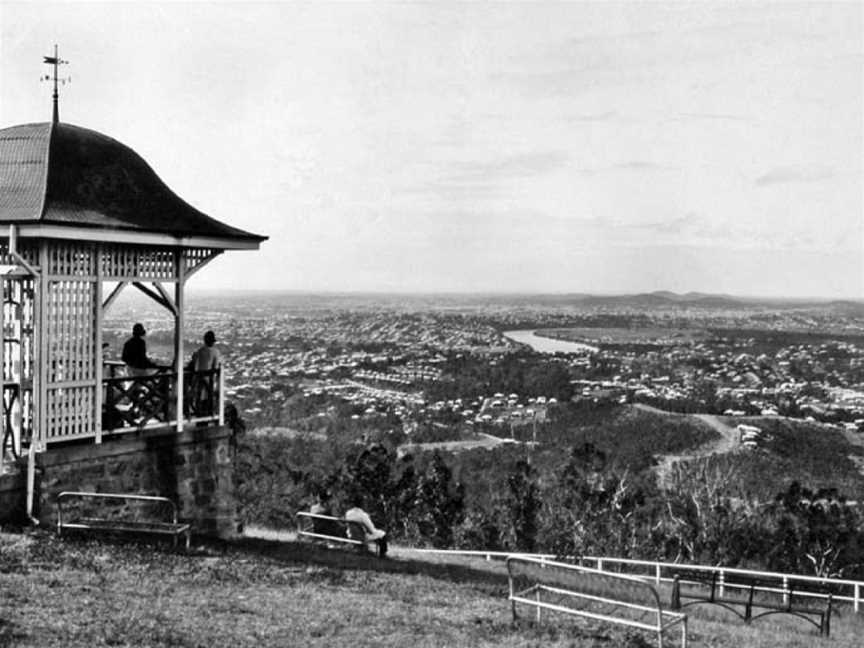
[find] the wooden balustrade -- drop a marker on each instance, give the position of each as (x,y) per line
(135,402)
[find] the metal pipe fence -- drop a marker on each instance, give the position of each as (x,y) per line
(849,591)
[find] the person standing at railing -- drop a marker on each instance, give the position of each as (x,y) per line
(206,359)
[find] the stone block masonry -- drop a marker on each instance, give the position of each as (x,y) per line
(13,490)
(194,468)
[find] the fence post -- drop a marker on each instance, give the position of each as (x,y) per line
(537,594)
(785,590)
(599,564)
(722,583)
(657,573)
(857,602)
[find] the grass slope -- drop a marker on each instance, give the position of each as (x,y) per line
(266,593)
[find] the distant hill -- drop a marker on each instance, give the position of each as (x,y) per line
(668,299)
(658,299)
(664,298)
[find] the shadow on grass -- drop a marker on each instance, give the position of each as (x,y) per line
(308,553)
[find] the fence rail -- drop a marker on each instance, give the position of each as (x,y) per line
(663,572)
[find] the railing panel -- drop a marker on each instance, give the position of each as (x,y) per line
(135,402)
(201,398)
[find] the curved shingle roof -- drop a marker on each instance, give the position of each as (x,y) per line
(64,175)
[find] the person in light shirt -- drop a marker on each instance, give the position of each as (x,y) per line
(357,514)
(206,358)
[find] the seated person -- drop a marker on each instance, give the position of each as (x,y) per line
(357,514)
(135,353)
(321,505)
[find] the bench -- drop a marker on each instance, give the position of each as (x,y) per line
(75,512)
(333,529)
(740,594)
(590,593)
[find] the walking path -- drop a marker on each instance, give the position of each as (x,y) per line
(727,442)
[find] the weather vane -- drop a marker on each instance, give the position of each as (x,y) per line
(55,61)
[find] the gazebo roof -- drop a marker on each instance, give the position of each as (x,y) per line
(64,181)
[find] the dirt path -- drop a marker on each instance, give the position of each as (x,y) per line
(727,442)
(486,441)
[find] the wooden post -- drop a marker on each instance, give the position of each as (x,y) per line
(179,321)
(3,430)
(97,320)
(221,395)
(40,359)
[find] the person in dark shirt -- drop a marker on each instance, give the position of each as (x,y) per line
(135,353)
(321,505)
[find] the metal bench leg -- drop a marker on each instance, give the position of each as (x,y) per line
(675,604)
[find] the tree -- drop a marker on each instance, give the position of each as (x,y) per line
(702,522)
(439,504)
(523,505)
(814,532)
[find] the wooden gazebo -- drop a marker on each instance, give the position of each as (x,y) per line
(81,213)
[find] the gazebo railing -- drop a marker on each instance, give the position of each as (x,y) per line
(149,401)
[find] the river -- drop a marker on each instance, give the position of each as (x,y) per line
(548,345)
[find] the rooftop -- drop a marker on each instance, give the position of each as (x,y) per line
(64,177)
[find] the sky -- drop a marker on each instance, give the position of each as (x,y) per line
(562,147)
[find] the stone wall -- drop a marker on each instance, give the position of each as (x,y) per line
(194,468)
(13,490)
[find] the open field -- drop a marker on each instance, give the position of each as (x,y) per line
(270,593)
(754,340)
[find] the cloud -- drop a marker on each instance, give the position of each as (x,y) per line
(714,116)
(486,179)
(512,167)
(599,117)
(640,165)
(793,174)
(634,166)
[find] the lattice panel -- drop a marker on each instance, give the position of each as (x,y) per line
(70,412)
(29,252)
(18,341)
(68,259)
(71,336)
(195,257)
(137,262)
(18,310)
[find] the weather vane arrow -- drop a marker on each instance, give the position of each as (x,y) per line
(56,61)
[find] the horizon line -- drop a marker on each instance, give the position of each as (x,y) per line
(499,293)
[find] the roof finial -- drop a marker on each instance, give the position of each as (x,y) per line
(55,61)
